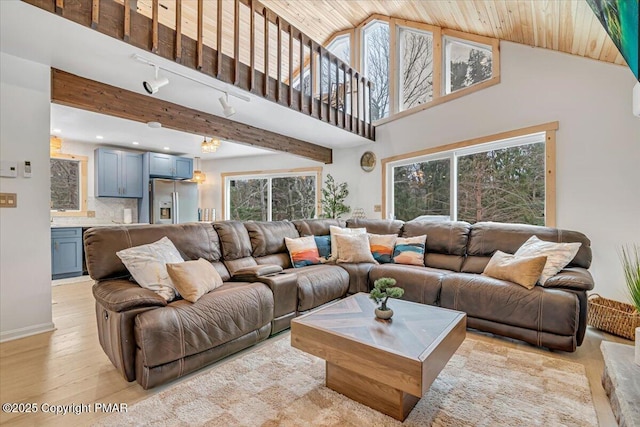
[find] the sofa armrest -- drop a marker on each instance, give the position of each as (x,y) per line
(121,295)
(248,274)
(575,278)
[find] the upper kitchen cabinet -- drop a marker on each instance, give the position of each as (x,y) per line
(168,166)
(118,173)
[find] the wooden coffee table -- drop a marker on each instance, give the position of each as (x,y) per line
(386,365)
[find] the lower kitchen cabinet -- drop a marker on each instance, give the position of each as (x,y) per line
(66,252)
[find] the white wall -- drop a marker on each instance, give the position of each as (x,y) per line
(25,254)
(598,145)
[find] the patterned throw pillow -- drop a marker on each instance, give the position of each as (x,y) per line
(147,265)
(524,271)
(382,246)
(410,250)
(354,248)
(337,230)
(558,255)
(303,251)
(324,245)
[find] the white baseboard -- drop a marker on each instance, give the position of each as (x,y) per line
(26,332)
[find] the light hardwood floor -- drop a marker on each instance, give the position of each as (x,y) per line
(67,366)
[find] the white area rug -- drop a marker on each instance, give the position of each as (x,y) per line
(276,385)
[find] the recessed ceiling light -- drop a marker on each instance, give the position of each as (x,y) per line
(56,131)
(154,125)
(99,137)
(135,143)
(166,148)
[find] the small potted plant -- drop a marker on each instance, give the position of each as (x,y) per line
(630,258)
(383,289)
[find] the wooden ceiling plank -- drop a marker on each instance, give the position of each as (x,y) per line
(78,92)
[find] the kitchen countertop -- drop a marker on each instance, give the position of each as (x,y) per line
(101,224)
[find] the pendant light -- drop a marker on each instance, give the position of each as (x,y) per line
(210,146)
(198,175)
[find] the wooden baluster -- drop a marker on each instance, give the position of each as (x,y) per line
(265,89)
(279,79)
(344,95)
(358,95)
(154,26)
(95,13)
(290,65)
(127,20)
(312,77)
(352,101)
(321,94)
(59,6)
(301,73)
(252,42)
(178,53)
(200,40)
(335,119)
(219,41)
(236,42)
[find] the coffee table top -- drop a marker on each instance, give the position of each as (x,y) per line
(413,332)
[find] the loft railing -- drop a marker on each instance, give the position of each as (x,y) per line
(240,42)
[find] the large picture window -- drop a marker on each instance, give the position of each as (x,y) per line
(272,196)
(376,66)
(503,180)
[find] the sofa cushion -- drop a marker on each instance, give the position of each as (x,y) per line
(268,237)
(334,231)
(319,284)
(193,279)
(354,248)
(409,250)
(420,284)
(558,255)
(234,239)
(540,309)
(303,251)
(446,242)
(148,266)
(377,226)
(524,271)
(358,276)
(487,237)
(193,241)
(316,227)
(183,329)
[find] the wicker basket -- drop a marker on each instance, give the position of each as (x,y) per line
(615,317)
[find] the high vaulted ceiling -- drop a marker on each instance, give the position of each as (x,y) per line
(563,25)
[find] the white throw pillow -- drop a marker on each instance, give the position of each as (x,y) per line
(337,230)
(354,248)
(558,255)
(147,265)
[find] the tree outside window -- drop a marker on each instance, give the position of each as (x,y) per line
(376,66)
(467,64)
(416,67)
(65,185)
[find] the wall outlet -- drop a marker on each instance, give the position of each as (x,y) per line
(91,214)
(377,208)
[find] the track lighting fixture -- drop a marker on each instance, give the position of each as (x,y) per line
(226,108)
(154,85)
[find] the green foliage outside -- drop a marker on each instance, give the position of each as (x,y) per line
(333,196)
(383,289)
(630,258)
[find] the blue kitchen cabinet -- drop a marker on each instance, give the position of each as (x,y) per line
(169,166)
(66,252)
(118,173)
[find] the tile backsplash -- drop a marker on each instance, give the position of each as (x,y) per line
(108,211)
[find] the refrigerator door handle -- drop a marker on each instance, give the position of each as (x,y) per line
(176,207)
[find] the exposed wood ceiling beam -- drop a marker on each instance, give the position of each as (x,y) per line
(79,92)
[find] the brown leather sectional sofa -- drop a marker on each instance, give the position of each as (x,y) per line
(152,341)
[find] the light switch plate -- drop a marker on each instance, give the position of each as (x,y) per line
(8,169)
(91,214)
(8,200)
(377,208)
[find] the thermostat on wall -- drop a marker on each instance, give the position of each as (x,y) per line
(8,169)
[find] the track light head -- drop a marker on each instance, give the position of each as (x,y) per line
(154,85)
(226,108)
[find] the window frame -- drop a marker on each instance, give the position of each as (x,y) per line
(83,161)
(226,179)
(546,132)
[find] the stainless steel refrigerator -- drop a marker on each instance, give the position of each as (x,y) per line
(173,202)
